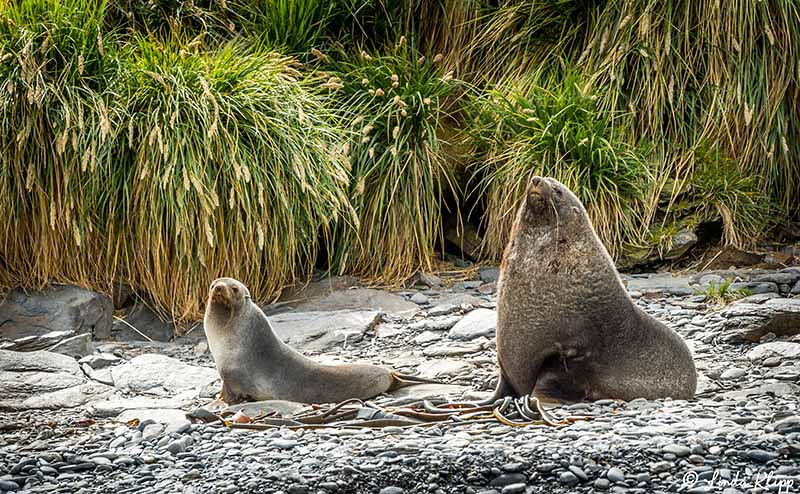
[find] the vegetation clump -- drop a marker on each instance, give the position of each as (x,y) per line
(162,143)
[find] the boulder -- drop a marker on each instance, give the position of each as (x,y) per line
(489,274)
(682,241)
(479,322)
(147,324)
(450,302)
(64,308)
(751,321)
(160,375)
(318,331)
(43,380)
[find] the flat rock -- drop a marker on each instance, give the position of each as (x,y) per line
(58,308)
(754,287)
(318,331)
(451,350)
(660,283)
(100,360)
(161,375)
(39,361)
(785,349)
(751,321)
(160,415)
(359,299)
(76,346)
(113,406)
(71,397)
(479,322)
(25,375)
(456,300)
(427,337)
(771,389)
(443,367)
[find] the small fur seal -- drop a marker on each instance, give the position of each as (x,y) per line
(256,365)
(567,331)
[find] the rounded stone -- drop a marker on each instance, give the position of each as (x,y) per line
(514,489)
(568,478)
(614,474)
(677,450)
(602,484)
(391,490)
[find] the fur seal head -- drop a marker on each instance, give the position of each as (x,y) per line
(227,296)
(548,204)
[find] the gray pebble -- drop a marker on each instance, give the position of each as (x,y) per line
(391,490)
(761,456)
(614,474)
(419,298)
(568,478)
(514,489)
(677,450)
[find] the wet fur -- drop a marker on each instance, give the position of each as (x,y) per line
(255,364)
(567,329)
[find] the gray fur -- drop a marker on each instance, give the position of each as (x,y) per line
(567,329)
(255,364)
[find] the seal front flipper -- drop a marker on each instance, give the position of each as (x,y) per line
(563,380)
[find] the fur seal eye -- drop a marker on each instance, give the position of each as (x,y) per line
(235,289)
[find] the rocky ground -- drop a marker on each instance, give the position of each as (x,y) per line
(113,420)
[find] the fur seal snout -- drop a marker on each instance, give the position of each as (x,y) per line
(567,329)
(255,364)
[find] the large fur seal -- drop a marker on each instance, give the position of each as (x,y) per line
(567,330)
(256,365)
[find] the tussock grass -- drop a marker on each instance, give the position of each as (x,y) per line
(393,104)
(722,294)
(57,94)
(551,125)
(163,142)
(695,74)
(234,171)
(159,165)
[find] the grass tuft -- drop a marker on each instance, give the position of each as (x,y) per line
(393,105)
(551,125)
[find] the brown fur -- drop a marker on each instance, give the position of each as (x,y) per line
(256,365)
(567,329)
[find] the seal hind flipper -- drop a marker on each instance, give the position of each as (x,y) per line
(404,380)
